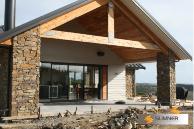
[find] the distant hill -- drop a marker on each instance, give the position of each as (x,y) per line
(187,86)
(145,88)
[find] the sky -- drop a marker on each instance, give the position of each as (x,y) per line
(176,16)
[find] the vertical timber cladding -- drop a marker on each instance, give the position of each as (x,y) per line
(166,83)
(4,70)
(130,82)
(104,83)
(25,73)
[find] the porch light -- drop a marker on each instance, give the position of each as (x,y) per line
(100,53)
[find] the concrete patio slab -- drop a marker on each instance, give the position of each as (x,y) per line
(50,109)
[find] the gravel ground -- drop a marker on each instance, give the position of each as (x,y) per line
(114,120)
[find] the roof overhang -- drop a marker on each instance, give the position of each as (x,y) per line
(132,5)
(156,28)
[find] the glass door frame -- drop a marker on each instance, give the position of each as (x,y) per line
(100,67)
(82,84)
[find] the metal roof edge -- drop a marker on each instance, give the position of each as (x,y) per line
(42,19)
(160,27)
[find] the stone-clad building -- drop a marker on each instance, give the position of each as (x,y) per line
(80,52)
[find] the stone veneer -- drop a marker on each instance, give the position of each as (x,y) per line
(166,83)
(4,69)
(25,74)
(130,83)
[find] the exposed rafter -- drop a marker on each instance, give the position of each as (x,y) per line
(150,59)
(71,15)
(111,23)
(84,38)
(6,43)
(140,25)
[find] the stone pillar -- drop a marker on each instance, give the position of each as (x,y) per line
(25,74)
(166,84)
(4,70)
(130,83)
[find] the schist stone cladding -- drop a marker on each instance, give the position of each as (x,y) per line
(166,83)
(130,82)
(25,73)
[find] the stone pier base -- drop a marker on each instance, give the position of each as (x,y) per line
(25,74)
(166,84)
(130,83)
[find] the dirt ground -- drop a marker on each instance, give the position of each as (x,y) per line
(87,121)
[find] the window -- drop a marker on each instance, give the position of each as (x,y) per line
(61,82)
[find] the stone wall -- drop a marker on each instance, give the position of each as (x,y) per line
(166,83)
(25,74)
(4,68)
(130,83)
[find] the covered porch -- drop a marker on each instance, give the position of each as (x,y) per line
(81,51)
(107,41)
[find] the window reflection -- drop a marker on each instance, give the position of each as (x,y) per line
(91,82)
(76,82)
(59,87)
(60,82)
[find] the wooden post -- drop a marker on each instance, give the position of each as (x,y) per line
(111,33)
(104,83)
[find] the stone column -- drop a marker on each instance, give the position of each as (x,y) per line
(4,70)
(25,74)
(130,83)
(166,84)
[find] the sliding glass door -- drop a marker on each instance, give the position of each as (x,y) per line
(63,82)
(53,82)
(59,87)
(91,83)
(75,82)
(45,81)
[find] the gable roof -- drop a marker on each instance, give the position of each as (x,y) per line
(132,5)
(43,19)
(157,28)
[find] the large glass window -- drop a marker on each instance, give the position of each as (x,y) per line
(59,88)
(75,82)
(45,80)
(91,82)
(69,82)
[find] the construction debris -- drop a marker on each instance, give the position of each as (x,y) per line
(125,119)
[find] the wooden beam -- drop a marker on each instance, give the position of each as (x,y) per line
(140,25)
(130,54)
(151,59)
(71,15)
(6,43)
(84,38)
(111,28)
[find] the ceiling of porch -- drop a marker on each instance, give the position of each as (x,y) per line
(96,23)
